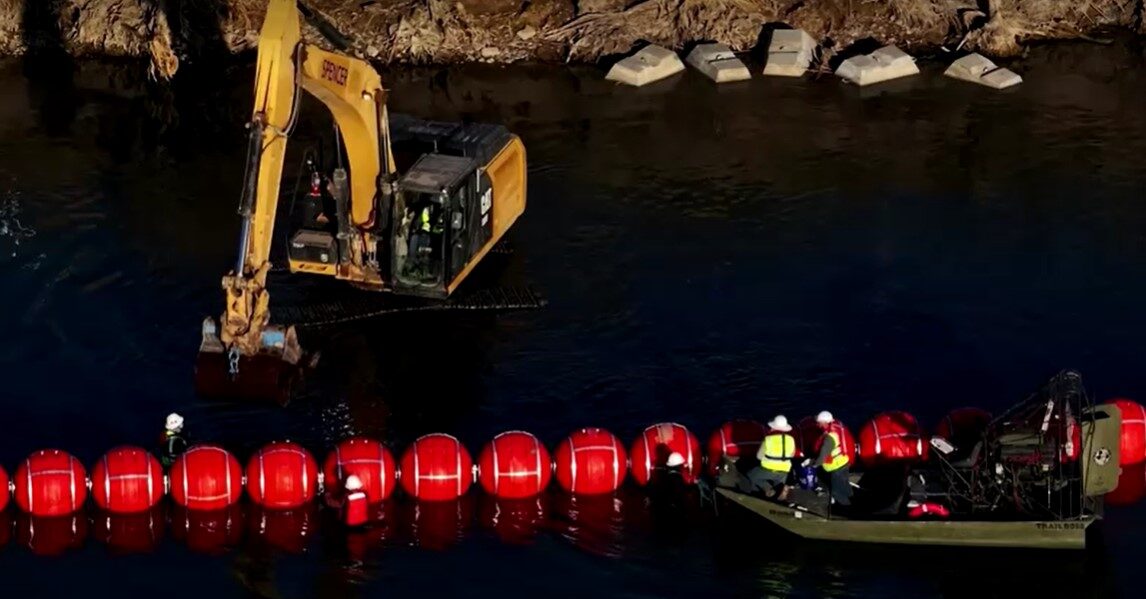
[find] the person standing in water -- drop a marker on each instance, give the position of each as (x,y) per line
(174,442)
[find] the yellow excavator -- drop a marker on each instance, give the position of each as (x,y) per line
(415,233)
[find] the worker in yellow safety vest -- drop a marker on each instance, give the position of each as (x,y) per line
(832,460)
(776,453)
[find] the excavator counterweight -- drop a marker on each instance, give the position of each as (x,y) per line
(417,234)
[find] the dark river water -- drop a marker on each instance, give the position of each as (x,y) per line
(778,245)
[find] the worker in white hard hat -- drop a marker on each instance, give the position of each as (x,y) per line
(832,460)
(174,441)
(776,453)
(355,504)
(668,483)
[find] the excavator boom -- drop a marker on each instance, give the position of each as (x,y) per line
(353,93)
(245,331)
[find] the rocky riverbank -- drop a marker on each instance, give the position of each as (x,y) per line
(172,32)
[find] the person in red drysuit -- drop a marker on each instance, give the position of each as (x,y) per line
(927,508)
(355,509)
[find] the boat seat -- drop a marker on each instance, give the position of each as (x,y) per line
(967,462)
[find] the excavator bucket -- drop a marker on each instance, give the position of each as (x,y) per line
(272,374)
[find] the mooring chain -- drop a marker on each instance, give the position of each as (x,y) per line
(340,312)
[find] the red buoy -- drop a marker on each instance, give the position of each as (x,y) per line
(1132,446)
(127,480)
(890,437)
(591,461)
(1131,486)
(367,459)
(210,532)
(652,449)
(130,533)
(282,475)
(206,477)
(963,426)
(4,492)
(51,482)
(734,439)
(514,465)
(811,437)
(437,468)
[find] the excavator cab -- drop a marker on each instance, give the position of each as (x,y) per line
(443,215)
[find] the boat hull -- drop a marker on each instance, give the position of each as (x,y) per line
(1028,534)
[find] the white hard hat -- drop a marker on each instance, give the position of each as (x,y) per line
(174,422)
(780,423)
(825,417)
(353,483)
(674,460)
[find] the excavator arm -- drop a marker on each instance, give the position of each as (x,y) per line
(352,90)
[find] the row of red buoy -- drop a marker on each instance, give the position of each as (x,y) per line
(585,521)
(515,464)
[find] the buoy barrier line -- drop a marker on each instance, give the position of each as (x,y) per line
(44,474)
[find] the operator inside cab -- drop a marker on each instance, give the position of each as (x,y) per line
(424,257)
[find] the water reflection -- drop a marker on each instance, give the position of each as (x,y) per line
(514,521)
(288,531)
(212,533)
(54,536)
(130,533)
(438,525)
(5,528)
(593,523)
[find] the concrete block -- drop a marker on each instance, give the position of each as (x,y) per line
(884,64)
(651,63)
(718,63)
(976,68)
(790,53)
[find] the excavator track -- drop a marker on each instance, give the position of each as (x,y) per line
(350,310)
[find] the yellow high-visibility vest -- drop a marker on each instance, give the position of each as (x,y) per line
(838,458)
(779,449)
